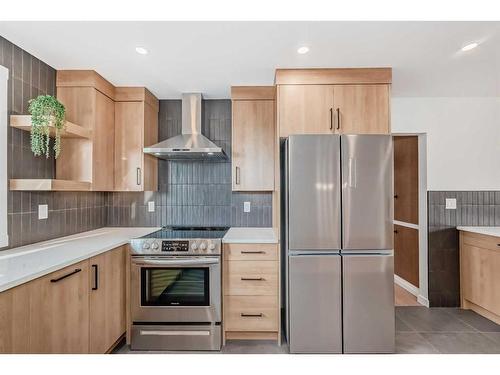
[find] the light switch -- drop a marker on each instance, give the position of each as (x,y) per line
(151,206)
(246,206)
(451,203)
(43,211)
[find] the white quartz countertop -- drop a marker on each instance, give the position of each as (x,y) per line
(250,235)
(22,264)
(489,231)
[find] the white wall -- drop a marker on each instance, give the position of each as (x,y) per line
(4,76)
(463,139)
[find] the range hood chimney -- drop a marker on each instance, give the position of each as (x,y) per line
(191,144)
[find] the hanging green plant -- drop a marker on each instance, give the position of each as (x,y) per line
(46,112)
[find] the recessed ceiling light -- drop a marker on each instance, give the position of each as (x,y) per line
(469,46)
(141,50)
(303,50)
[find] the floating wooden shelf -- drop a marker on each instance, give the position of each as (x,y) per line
(71,130)
(39,184)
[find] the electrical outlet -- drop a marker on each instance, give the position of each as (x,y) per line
(43,211)
(451,203)
(151,206)
(246,206)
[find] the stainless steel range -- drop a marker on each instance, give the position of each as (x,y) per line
(175,291)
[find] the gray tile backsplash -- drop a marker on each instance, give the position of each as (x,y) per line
(196,193)
(474,208)
(68,212)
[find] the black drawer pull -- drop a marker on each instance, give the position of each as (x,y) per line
(253,252)
(252,279)
(251,315)
(65,276)
(96,277)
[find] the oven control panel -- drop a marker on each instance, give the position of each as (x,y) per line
(198,246)
(174,245)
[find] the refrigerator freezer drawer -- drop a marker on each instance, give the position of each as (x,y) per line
(368,300)
(315,311)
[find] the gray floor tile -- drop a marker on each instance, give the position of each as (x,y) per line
(475,320)
(253,347)
(462,343)
(423,319)
(493,336)
(402,326)
(413,343)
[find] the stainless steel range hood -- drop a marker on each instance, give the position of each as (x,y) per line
(191,144)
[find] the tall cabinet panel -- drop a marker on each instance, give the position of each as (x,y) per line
(253,133)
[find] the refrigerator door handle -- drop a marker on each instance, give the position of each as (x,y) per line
(352,173)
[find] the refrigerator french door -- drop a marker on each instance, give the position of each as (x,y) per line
(338,241)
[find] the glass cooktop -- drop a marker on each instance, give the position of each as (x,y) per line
(188,232)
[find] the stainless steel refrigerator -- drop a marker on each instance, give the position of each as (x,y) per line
(339,278)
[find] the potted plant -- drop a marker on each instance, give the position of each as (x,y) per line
(46,112)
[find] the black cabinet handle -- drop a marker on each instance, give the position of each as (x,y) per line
(96,277)
(65,276)
(338,118)
(252,279)
(253,252)
(395,231)
(251,315)
(331,118)
(396,196)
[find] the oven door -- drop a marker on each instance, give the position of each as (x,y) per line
(176,289)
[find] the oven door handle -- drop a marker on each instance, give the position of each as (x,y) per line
(176,262)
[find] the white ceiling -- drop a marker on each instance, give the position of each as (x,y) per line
(209,57)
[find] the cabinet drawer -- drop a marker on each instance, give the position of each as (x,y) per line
(251,278)
(250,252)
(251,313)
(481,240)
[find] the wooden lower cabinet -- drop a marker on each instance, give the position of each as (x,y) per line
(251,291)
(60,313)
(480,274)
(107,299)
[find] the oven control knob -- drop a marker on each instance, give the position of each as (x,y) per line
(155,246)
(194,246)
(211,247)
(145,245)
(203,246)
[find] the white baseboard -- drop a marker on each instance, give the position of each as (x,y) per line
(407,286)
(423,300)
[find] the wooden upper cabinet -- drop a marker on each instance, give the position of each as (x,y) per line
(107,299)
(88,99)
(325,101)
(406,179)
(305,109)
(60,303)
(136,127)
(362,109)
(253,139)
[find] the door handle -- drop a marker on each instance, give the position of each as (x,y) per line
(338,118)
(331,118)
(243,315)
(252,279)
(138,172)
(237,176)
(352,173)
(395,196)
(65,276)
(96,277)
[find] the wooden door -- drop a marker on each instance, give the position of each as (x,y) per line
(305,109)
(362,109)
(103,144)
(129,132)
(107,299)
(406,179)
(406,254)
(59,308)
(15,320)
(253,145)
